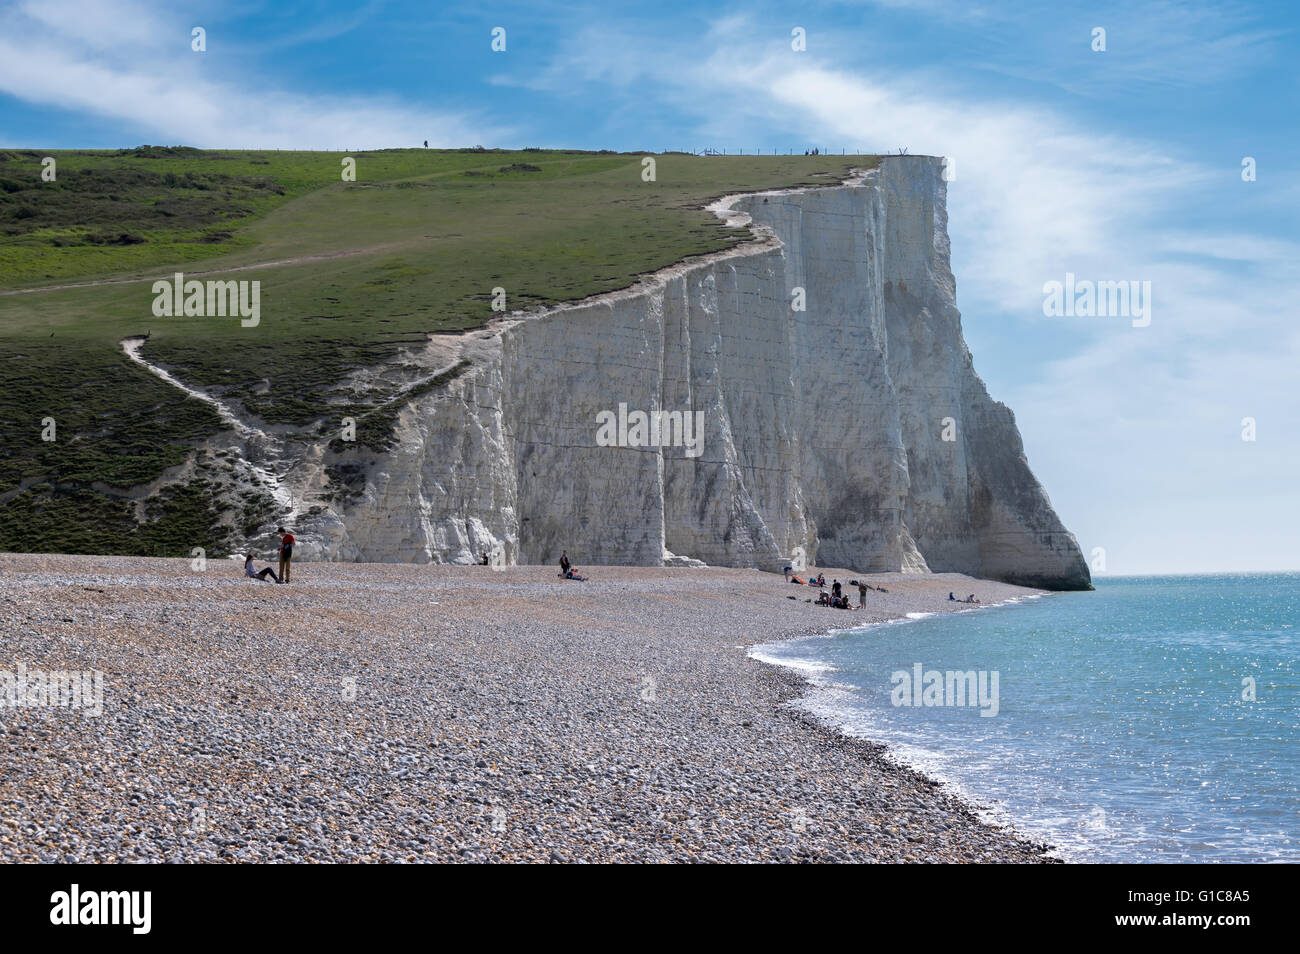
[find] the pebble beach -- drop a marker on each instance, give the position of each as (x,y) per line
(398,713)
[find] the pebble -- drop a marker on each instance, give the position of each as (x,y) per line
(376,712)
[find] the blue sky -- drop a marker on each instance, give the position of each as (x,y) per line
(1115,165)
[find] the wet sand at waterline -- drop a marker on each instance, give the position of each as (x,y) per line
(377,712)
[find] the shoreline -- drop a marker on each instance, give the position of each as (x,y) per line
(493,716)
(803,702)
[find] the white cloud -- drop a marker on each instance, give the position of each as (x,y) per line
(115,24)
(1176,43)
(122,60)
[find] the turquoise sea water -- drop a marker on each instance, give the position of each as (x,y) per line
(1121,732)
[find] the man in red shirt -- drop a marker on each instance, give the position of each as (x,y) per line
(286,553)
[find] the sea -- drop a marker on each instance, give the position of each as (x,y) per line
(1156,719)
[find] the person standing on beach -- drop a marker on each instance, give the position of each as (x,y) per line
(565,565)
(862,593)
(286,553)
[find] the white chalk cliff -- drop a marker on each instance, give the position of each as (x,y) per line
(824,433)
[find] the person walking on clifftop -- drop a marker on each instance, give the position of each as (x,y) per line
(286,553)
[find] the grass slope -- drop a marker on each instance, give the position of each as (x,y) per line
(351,273)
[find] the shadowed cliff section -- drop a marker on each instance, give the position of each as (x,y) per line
(973,505)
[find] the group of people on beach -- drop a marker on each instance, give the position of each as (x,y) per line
(567,570)
(286,561)
(267,575)
(836,598)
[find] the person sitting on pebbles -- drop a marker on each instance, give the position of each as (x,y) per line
(252,574)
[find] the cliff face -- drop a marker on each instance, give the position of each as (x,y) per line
(824,432)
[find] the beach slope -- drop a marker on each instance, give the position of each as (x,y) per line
(390,713)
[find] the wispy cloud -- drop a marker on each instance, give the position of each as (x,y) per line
(1178,43)
(132,63)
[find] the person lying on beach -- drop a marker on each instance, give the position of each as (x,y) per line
(572,574)
(252,574)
